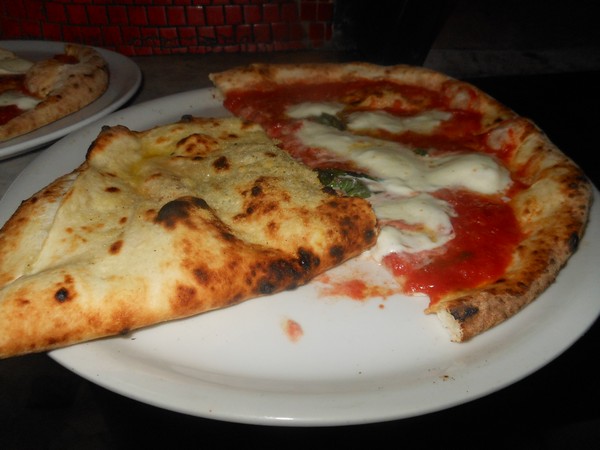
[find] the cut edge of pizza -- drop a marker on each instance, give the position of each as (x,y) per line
(41,92)
(163,224)
(549,194)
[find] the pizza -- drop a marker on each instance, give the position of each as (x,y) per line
(478,209)
(34,94)
(167,223)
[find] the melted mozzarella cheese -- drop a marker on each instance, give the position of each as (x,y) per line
(22,101)
(402,170)
(421,123)
(12,64)
(427,217)
(310,109)
(404,179)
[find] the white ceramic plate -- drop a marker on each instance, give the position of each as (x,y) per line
(356,362)
(125,79)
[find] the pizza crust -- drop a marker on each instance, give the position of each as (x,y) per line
(553,213)
(63,88)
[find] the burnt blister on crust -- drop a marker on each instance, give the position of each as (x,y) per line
(308,260)
(62,295)
(463,313)
(178,210)
(573,242)
(221,164)
(286,274)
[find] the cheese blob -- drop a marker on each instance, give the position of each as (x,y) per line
(22,101)
(412,219)
(11,64)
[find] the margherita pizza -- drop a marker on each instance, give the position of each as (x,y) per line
(478,209)
(34,94)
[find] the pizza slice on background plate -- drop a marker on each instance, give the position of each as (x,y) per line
(34,94)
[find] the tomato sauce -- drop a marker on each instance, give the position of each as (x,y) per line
(8,113)
(486,235)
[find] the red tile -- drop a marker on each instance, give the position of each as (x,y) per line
(297,32)
(262,32)
(112,35)
(14,9)
(187,36)
(33,9)
(148,33)
(176,15)
(243,33)
(55,13)
(197,50)
(131,36)
(308,11)
(50,31)
(150,37)
(281,31)
(224,34)
(201,2)
(325,12)
(71,33)
(233,14)
(316,33)
(97,14)
(231,48)
(76,14)
(252,14)
(289,12)
(126,50)
(168,37)
(137,51)
(137,15)
(206,35)
(195,15)
(157,15)
(270,13)
(31,28)
(117,14)
(215,15)
(90,35)
(328,32)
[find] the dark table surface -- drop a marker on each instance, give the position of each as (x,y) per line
(43,405)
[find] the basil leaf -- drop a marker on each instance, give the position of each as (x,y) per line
(329,120)
(352,187)
(346,182)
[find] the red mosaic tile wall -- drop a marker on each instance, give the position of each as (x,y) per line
(146,27)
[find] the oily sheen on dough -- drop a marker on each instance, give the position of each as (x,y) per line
(163,224)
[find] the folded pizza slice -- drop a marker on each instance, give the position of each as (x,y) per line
(167,223)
